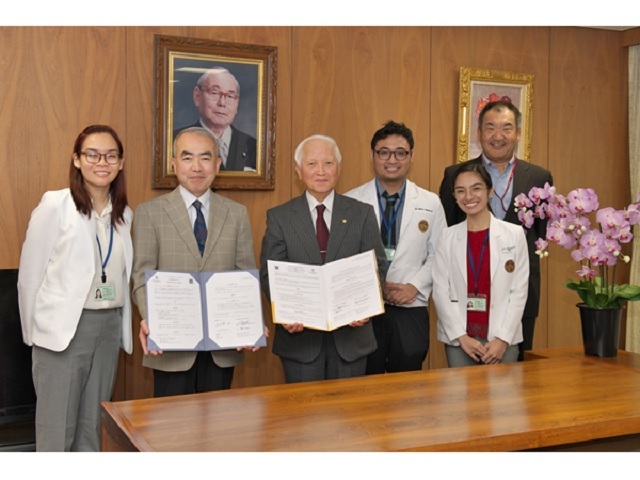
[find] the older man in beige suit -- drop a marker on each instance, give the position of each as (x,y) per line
(190,229)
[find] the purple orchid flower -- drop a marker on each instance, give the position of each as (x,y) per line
(583,200)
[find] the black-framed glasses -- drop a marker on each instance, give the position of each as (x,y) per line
(215,95)
(400,154)
(93,157)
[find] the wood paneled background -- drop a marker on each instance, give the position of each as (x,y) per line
(340,81)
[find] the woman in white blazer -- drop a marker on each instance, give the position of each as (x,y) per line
(480,278)
(73,286)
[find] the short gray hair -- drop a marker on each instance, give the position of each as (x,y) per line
(217,71)
(202,132)
(332,143)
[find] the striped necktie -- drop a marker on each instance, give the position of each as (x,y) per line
(322,232)
(200,227)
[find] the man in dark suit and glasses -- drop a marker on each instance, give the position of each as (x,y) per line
(292,236)
(499,129)
(217,98)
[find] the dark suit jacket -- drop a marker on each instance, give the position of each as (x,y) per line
(525,177)
(291,237)
(242,151)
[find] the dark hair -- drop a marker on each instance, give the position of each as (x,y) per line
(499,105)
(117,189)
(477,168)
(393,128)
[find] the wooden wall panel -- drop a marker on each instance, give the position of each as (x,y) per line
(588,144)
(55,81)
(347,82)
(631,37)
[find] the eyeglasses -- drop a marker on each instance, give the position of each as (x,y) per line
(474,190)
(400,154)
(215,95)
(93,157)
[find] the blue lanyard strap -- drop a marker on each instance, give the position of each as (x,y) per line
(389,224)
(104,263)
(472,264)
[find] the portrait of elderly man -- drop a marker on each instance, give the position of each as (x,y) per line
(217,98)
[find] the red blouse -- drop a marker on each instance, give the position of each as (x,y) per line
(478,322)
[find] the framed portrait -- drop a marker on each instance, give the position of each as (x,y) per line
(228,88)
(480,86)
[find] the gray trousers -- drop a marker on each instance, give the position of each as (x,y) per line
(456,357)
(71,384)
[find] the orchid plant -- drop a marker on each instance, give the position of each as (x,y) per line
(597,248)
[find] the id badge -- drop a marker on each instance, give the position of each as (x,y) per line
(391,252)
(477,303)
(104,291)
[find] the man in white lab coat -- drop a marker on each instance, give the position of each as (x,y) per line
(411,221)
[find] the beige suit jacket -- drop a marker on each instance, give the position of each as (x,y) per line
(163,239)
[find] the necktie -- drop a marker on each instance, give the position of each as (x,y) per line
(200,227)
(322,232)
(224,152)
(388,215)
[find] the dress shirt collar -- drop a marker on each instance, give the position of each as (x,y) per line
(380,189)
(491,167)
(327,202)
(188,198)
(225,137)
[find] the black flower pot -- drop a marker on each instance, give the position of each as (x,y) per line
(600,330)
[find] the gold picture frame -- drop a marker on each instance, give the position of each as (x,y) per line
(180,61)
(478,86)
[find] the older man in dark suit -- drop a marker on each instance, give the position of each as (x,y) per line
(217,97)
(499,129)
(306,354)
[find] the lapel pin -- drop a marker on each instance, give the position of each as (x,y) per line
(344,220)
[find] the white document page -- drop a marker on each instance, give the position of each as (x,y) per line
(328,296)
(234,309)
(174,310)
(354,289)
(296,294)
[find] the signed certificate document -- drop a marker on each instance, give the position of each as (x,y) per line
(325,297)
(204,311)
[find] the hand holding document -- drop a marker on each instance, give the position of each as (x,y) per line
(325,297)
(204,311)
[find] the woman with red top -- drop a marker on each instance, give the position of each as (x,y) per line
(480,278)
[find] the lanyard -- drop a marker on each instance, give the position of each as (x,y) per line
(501,198)
(389,224)
(104,263)
(472,264)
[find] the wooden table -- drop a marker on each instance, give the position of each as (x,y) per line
(560,397)
(624,360)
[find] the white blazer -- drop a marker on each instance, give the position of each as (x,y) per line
(57,267)
(509,289)
(422,224)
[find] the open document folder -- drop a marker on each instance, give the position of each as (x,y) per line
(204,310)
(325,297)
